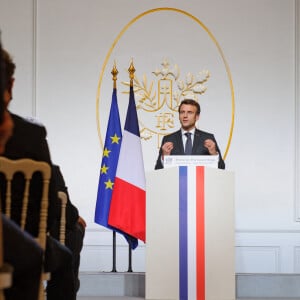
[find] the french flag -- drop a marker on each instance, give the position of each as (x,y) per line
(128,203)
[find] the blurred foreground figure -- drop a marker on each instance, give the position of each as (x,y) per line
(29,141)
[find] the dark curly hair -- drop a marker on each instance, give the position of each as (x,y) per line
(190,102)
(9,68)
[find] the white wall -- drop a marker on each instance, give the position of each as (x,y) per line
(61,48)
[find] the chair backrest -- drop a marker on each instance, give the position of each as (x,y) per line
(27,167)
(62,196)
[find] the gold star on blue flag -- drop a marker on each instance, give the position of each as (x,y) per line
(108,168)
(110,157)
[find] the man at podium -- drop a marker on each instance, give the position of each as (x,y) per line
(189,140)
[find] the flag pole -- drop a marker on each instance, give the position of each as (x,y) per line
(131,71)
(129,258)
(114,269)
(114,73)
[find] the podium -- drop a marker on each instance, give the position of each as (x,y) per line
(190,228)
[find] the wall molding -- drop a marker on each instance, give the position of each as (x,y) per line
(34,56)
(263,231)
(297,259)
(267,257)
(257,251)
(297,111)
(268,251)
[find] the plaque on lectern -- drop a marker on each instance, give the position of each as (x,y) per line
(191,160)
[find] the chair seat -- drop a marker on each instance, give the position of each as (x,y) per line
(46,276)
(28,168)
(5,280)
(5,276)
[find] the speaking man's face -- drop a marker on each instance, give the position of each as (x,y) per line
(188,116)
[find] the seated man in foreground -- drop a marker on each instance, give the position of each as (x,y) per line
(29,141)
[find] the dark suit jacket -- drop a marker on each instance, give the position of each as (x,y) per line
(71,211)
(198,146)
(29,141)
(24,254)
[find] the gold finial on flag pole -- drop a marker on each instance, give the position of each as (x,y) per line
(114,73)
(131,71)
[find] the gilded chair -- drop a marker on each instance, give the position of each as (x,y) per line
(28,168)
(62,196)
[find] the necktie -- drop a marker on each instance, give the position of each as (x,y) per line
(188,144)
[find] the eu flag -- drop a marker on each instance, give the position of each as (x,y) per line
(108,168)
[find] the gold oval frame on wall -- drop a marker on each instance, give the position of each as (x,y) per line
(125,28)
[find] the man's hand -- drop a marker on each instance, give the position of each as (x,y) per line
(81,221)
(167,148)
(211,147)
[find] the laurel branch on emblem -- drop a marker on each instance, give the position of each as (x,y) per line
(190,87)
(168,96)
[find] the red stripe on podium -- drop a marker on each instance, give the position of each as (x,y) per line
(200,233)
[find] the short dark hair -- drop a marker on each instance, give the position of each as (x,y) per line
(9,68)
(190,102)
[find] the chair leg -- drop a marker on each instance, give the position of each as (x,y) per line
(42,294)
